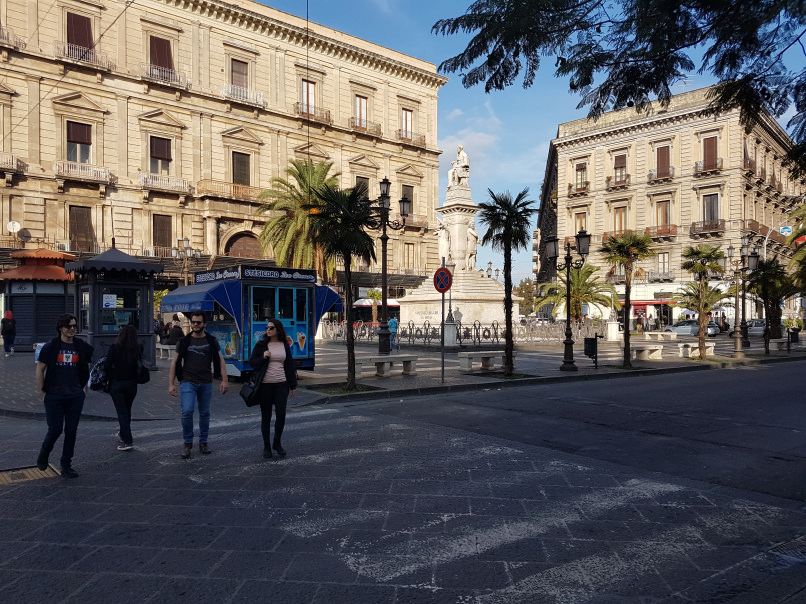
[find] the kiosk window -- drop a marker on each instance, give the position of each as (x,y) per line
(262,303)
(120,307)
(285,304)
(302,305)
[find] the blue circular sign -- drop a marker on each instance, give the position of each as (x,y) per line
(443,279)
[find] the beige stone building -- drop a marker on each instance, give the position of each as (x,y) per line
(154,121)
(673,173)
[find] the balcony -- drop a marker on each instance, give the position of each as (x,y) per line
(7,38)
(417,221)
(365,126)
(161,182)
(662,232)
(614,234)
(227,190)
(702,168)
(753,225)
(242,95)
(660,175)
(79,54)
(616,279)
(761,175)
(411,138)
(749,166)
(85,172)
(9,162)
(578,190)
(614,184)
(707,227)
(310,112)
(657,276)
(163,75)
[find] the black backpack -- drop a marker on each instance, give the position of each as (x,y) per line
(99,381)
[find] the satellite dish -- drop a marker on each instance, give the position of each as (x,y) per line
(13,226)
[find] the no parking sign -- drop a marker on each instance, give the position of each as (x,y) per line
(443,279)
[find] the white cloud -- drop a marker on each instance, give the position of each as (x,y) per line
(454,114)
(384,5)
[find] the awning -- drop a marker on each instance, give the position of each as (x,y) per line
(368,302)
(326,299)
(204,296)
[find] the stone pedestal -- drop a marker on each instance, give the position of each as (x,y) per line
(613,333)
(450,334)
(458,215)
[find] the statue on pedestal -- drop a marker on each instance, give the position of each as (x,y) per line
(470,253)
(444,244)
(460,171)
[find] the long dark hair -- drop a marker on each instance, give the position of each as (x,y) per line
(129,344)
(279,330)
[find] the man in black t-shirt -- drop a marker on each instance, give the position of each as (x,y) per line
(62,373)
(195,353)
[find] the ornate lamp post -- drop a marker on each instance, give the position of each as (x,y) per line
(746,262)
(583,240)
(384,337)
(184,252)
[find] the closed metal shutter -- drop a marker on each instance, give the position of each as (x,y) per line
(48,310)
(23,309)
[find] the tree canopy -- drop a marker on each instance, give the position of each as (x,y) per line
(585,290)
(624,53)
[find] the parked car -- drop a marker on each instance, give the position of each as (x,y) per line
(755,328)
(690,327)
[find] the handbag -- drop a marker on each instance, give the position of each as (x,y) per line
(143,372)
(249,389)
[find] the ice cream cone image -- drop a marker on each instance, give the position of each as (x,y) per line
(301,341)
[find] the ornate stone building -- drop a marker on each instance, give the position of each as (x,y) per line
(676,174)
(159,121)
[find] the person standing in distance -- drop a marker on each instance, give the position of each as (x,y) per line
(393,333)
(9,331)
(62,373)
(272,356)
(195,353)
(121,367)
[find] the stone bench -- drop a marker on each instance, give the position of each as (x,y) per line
(780,343)
(660,335)
(383,364)
(645,352)
(165,351)
(487,358)
(692,350)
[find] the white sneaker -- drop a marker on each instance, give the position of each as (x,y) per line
(125,447)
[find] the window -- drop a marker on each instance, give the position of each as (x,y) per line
(663,262)
(162,232)
(308,97)
(406,122)
(79,30)
(79,142)
(239,74)
(126,311)
(362,181)
(408,255)
(620,219)
(579,222)
(360,111)
(408,193)
(663,213)
(240,168)
(711,206)
(662,161)
(160,155)
(620,169)
(82,237)
(582,176)
(709,153)
(160,53)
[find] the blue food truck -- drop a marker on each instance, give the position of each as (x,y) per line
(239,301)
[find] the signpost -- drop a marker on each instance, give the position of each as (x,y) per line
(443,279)
(786,230)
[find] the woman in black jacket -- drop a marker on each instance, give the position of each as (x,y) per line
(121,369)
(272,358)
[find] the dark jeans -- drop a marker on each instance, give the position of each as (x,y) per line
(123,393)
(8,343)
(272,395)
(63,413)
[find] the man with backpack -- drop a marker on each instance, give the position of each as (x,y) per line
(195,354)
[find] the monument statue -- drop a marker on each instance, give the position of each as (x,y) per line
(444,244)
(460,171)
(470,253)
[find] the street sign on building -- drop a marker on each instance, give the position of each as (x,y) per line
(786,230)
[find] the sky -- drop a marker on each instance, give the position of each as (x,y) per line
(506,134)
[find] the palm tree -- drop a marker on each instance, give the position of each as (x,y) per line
(623,253)
(339,227)
(508,224)
(773,285)
(376,296)
(584,290)
(695,295)
(702,261)
(289,230)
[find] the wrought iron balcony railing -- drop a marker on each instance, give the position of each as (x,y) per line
(707,226)
(9,161)
(7,38)
(612,234)
(313,113)
(709,166)
(242,95)
(77,171)
(227,190)
(660,174)
(612,182)
(161,182)
(412,138)
(362,125)
(163,75)
(80,54)
(660,276)
(666,230)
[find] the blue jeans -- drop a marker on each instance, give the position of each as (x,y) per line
(189,394)
(392,344)
(8,343)
(63,412)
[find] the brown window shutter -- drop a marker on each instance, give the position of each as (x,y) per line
(81,234)
(240,74)
(79,30)
(79,133)
(161,53)
(663,161)
(620,161)
(408,193)
(161,148)
(162,231)
(240,168)
(709,152)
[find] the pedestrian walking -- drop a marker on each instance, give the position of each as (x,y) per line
(174,335)
(272,356)
(121,369)
(62,373)
(393,325)
(8,330)
(195,353)
(639,323)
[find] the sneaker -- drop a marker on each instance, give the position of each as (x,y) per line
(204,449)
(125,447)
(69,472)
(7,355)
(187,451)
(279,448)
(12,351)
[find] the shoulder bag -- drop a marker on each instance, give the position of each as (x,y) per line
(249,389)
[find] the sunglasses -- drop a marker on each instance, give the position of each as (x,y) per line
(271,328)
(71,326)
(197,322)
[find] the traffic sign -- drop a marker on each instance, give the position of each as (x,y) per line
(443,279)
(786,230)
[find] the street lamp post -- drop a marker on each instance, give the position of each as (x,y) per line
(746,262)
(583,240)
(184,252)
(384,337)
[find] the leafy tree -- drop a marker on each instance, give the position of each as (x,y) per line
(708,298)
(584,290)
(702,261)
(773,285)
(799,220)
(623,253)
(525,290)
(159,294)
(508,224)
(339,226)
(376,296)
(289,230)
(626,52)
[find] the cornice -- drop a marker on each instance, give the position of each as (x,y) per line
(299,36)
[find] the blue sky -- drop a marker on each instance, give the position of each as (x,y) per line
(506,134)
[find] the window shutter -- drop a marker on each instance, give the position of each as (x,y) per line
(709,152)
(79,133)
(161,53)
(240,168)
(240,74)
(79,30)
(663,161)
(81,233)
(162,231)
(620,161)
(161,148)
(408,193)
